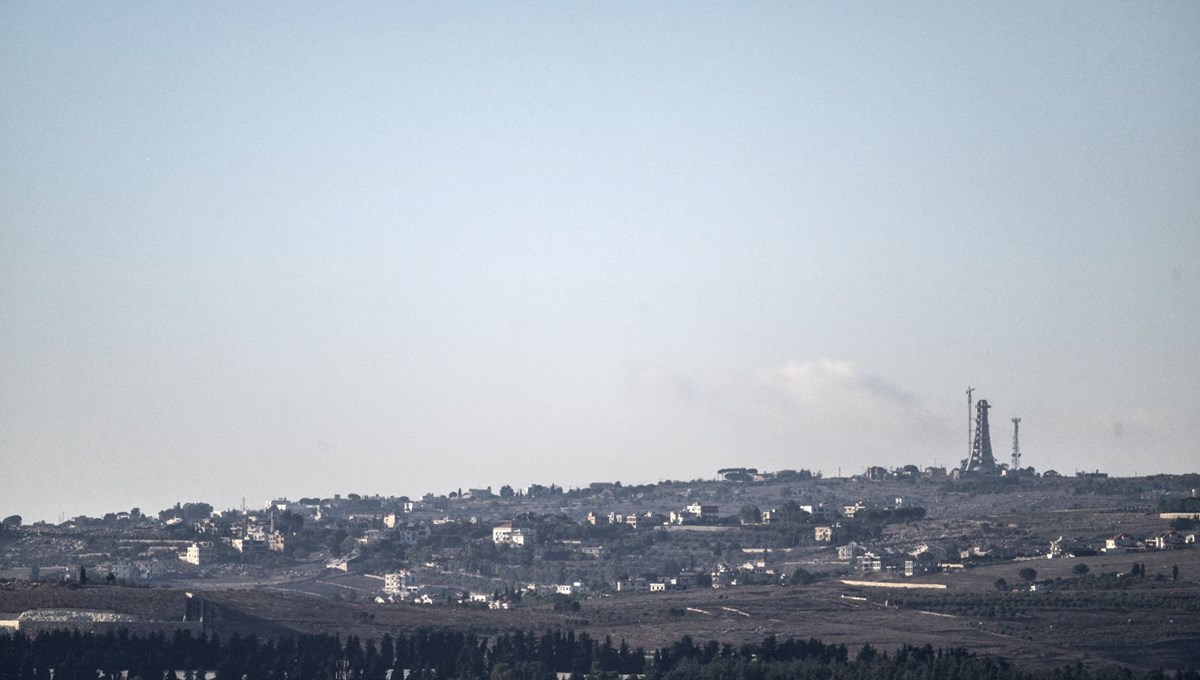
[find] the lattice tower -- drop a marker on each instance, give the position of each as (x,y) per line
(981,461)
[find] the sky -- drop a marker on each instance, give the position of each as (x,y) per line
(249,250)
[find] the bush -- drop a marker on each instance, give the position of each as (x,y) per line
(801,577)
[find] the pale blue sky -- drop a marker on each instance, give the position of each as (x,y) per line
(253,250)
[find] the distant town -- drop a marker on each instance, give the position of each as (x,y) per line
(737,557)
(502,548)
(995,550)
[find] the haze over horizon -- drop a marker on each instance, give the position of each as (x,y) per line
(404,248)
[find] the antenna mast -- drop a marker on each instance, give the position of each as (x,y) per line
(970,419)
(1016,464)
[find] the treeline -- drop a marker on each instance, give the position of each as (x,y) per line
(1011,605)
(426,654)
(72,655)
(1187,504)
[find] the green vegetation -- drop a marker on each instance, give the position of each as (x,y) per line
(509,656)
(1188,504)
(1013,605)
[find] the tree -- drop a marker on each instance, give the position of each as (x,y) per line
(194,512)
(506,491)
(289,522)
(1029,574)
(12,521)
(1184,524)
(1080,569)
(334,540)
(169,513)
(1001,585)
(750,514)
(801,577)
(792,512)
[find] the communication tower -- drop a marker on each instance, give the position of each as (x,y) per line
(1016,464)
(981,461)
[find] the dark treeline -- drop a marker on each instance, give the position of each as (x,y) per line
(75,655)
(518,656)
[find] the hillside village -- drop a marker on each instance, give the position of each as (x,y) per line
(545,545)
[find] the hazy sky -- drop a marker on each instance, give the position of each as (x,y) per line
(263,249)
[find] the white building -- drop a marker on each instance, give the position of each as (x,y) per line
(399,583)
(198,553)
(279,505)
(1120,543)
(703,512)
(506,534)
(576,588)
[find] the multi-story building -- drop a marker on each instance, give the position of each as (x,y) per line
(506,534)
(399,583)
(199,553)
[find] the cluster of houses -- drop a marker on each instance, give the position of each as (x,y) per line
(916,561)
(721,575)
(266,530)
(692,514)
(641,584)
(753,571)
(633,520)
(1121,543)
(252,535)
(404,586)
(1167,540)
(878,473)
(695,513)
